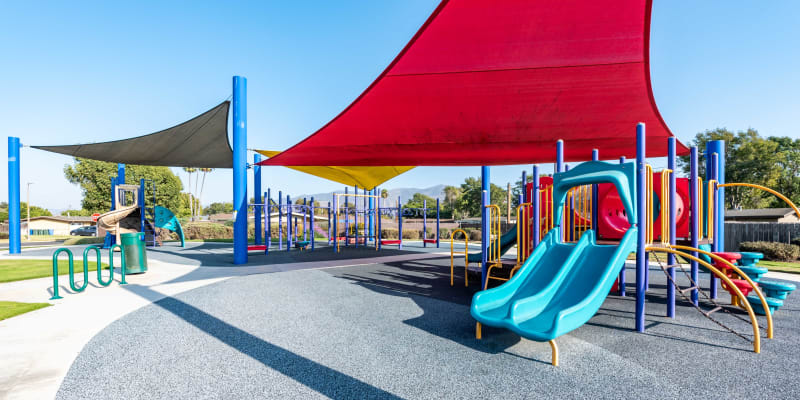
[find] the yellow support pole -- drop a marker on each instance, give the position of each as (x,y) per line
(466,256)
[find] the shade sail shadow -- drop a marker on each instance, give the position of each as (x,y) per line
(316,376)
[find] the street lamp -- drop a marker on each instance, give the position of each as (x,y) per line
(28,205)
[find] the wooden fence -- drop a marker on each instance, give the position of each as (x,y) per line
(737,232)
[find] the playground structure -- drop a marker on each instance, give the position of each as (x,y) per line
(353,219)
(541,302)
(134,209)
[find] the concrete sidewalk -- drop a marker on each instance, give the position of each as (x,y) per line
(39,347)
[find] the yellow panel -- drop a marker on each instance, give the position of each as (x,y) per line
(364,177)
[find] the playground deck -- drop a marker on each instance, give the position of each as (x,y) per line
(394,328)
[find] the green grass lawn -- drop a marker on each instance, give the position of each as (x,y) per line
(18,270)
(781,266)
(10,309)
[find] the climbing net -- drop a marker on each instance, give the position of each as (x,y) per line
(716,305)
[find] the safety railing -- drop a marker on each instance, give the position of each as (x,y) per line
(493,253)
(546,200)
(665,206)
(466,256)
(77,289)
(649,200)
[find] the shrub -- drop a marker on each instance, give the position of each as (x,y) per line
(411,234)
(474,234)
(388,233)
(3,235)
(83,240)
(772,251)
(444,234)
(207,231)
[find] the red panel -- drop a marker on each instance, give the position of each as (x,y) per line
(491,83)
(613,223)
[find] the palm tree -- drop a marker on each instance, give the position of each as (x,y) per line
(203,184)
(190,171)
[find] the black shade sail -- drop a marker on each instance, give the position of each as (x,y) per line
(200,142)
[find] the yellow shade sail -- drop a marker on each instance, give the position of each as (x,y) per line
(365,177)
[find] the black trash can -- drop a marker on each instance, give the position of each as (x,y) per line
(134,252)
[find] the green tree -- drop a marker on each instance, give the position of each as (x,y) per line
(93,177)
(419,199)
(469,203)
(219,208)
(750,158)
(76,213)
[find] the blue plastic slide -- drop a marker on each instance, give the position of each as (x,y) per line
(562,285)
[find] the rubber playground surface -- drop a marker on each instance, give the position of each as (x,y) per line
(358,328)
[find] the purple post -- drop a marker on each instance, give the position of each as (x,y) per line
(424,222)
(696,228)
(621,282)
(289,231)
(280,220)
(536,200)
(595,195)
(641,223)
(673,214)
(437,223)
(524,186)
(399,223)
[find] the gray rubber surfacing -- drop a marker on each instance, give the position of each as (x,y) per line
(400,331)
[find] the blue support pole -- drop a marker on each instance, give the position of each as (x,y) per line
(437,223)
(712,197)
(120,174)
(536,200)
(239,169)
(595,195)
(268,215)
(330,227)
(280,220)
(485,201)
(641,223)
(621,282)
(346,219)
(290,230)
(310,211)
(14,228)
(371,220)
(380,228)
(695,228)
(424,222)
(257,194)
(673,214)
(399,223)
(355,214)
(559,155)
(524,186)
(305,219)
(335,229)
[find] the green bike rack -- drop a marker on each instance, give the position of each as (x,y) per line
(72,275)
(99,265)
(100,280)
(122,262)
(55,271)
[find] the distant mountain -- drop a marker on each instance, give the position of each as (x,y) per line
(404,193)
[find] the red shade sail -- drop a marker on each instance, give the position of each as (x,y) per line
(499,82)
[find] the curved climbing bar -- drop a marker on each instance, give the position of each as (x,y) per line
(766,189)
(724,278)
(744,276)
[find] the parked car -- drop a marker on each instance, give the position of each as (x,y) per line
(84,231)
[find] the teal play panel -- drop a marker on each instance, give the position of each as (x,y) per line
(562,285)
(165,219)
(507,241)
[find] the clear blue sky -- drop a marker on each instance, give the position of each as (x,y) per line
(95,71)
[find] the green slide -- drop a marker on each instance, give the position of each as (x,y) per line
(507,241)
